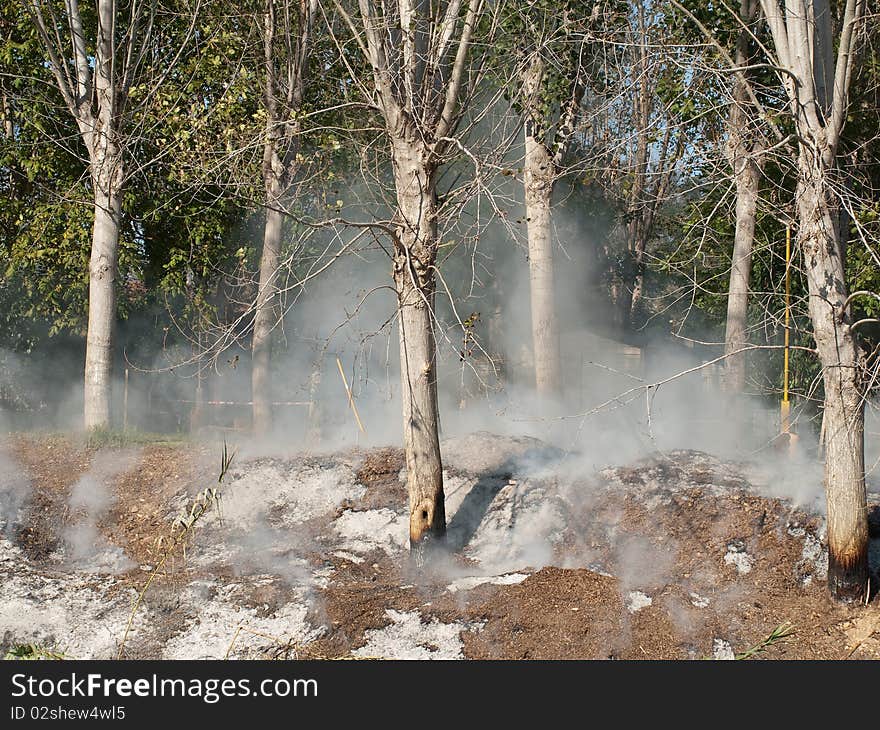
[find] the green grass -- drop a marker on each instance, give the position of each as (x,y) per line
(104,437)
(32,652)
(781,633)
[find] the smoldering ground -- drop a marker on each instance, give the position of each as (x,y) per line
(605,478)
(90,500)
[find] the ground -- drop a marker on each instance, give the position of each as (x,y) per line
(678,556)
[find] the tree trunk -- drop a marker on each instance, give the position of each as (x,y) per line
(415,251)
(102,300)
(742,148)
(538,177)
(746,174)
(842,372)
(637,231)
(266,313)
(622,294)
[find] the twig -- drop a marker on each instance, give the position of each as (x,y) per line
(350,396)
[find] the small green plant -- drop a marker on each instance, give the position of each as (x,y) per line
(781,633)
(32,652)
(181,532)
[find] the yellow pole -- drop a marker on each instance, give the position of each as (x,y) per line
(786,406)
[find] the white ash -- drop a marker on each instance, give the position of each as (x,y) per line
(455,489)
(722,650)
(223,627)
(105,558)
(350,557)
(489,454)
(82,615)
(321,576)
(814,560)
(258,492)
(469,582)
(699,601)
(739,558)
(362,532)
(636,601)
(408,636)
(682,470)
(519,529)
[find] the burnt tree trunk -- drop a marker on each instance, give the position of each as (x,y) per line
(817,85)
(414,256)
(843,379)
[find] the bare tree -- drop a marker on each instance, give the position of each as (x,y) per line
(549,118)
(817,81)
(422,77)
(744,151)
(96,61)
(287,31)
(644,137)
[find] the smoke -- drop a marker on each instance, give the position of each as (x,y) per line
(90,501)
(15,491)
(623,398)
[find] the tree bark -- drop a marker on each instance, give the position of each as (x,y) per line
(747,178)
(637,229)
(538,177)
(106,176)
(99,127)
(742,149)
(818,92)
(266,314)
(842,374)
(414,256)
(286,51)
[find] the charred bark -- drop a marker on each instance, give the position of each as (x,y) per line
(414,257)
(843,380)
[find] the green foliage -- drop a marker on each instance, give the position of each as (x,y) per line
(567,37)
(32,652)
(781,633)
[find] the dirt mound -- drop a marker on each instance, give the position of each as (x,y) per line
(680,555)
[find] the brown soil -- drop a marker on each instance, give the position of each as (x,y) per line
(54,464)
(678,542)
(379,473)
(139,517)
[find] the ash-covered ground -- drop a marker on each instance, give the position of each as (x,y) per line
(679,555)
